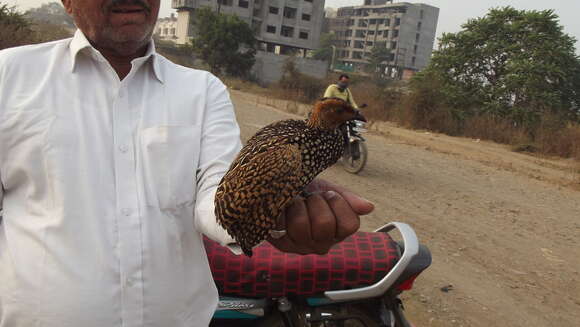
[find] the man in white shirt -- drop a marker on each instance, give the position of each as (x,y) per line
(109,160)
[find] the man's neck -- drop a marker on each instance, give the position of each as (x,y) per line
(121,63)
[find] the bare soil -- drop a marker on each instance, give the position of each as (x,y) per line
(503,227)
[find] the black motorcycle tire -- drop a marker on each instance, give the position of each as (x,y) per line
(298,319)
(355,166)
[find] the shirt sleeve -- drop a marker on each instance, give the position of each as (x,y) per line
(329,92)
(351,99)
(220,143)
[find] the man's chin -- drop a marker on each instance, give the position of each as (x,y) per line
(128,38)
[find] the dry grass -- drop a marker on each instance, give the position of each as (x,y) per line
(245,86)
(497,130)
(563,142)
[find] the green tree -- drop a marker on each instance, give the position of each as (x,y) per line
(224,42)
(52,13)
(377,58)
(512,64)
(14,28)
(324,52)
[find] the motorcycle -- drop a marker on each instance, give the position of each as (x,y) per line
(355,153)
(358,283)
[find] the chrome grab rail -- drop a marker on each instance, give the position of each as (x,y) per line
(381,287)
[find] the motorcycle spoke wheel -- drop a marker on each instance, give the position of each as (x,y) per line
(355,166)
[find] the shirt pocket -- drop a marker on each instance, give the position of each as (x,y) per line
(169,156)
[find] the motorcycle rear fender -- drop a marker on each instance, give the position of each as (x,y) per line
(410,250)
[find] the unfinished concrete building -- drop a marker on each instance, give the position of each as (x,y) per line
(406,29)
(282,26)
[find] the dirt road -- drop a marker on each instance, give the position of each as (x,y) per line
(504,228)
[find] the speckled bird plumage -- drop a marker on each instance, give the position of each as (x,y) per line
(275,166)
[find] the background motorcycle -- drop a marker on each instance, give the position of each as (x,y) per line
(357,283)
(355,153)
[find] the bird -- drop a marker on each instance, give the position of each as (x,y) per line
(275,166)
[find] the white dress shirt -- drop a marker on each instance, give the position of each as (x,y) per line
(107,186)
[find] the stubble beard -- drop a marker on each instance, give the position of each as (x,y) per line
(124,43)
(113,39)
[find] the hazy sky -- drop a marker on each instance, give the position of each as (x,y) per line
(453,12)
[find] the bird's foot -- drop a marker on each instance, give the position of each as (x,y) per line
(305,194)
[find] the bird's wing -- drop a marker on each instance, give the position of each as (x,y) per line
(251,196)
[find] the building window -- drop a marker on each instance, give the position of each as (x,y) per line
(386,34)
(379,32)
(226,2)
(415,49)
(359,44)
(372,21)
(388,22)
(422,15)
(348,33)
(306,17)
(307,0)
(394,45)
(419,25)
(362,23)
(381,21)
(287,31)
(397,21)
(290,12)
(357,55)
(360,33)
(369,44)
(371,32)
(417,37)
(274,10)
(396,33)
(173,31)
(244,3)
(304,35)
(271,29)
(413,61)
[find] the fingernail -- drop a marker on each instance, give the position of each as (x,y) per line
(362,199)
(329,195)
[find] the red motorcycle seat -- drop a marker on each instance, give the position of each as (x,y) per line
(360,260)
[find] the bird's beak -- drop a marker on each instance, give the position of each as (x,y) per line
(360,116)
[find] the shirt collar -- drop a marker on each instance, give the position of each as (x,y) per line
(80,42)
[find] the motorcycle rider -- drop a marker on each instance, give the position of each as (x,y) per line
(340,90)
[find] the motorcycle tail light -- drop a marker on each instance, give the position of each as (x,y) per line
(408,284)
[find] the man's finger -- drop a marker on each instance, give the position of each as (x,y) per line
(298,223)
(347,221)
(322,220)
(359,204)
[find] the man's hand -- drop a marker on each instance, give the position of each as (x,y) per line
(327,217)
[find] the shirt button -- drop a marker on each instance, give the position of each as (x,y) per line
(126,212)
(123,148)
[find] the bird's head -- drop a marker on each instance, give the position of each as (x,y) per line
(330,113)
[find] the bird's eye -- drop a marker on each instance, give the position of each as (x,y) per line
(340,110)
